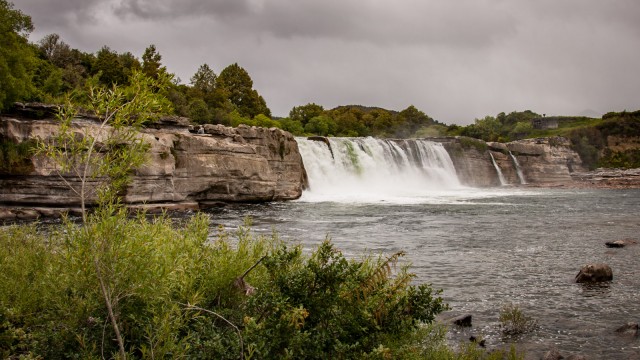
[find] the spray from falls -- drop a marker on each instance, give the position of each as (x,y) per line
(498,171)
(518,169)
(370,169)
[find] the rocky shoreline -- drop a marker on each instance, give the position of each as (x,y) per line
(598,179)
(608,179)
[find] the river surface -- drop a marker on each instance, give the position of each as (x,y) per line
(489,247)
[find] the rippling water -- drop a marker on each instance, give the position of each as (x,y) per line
(486,248)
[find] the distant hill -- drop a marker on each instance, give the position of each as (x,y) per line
(365,109)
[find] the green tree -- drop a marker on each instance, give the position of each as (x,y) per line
(349,123)
(238,87)
(521,129)
(103,159)
(488,128)
(204,80)
(411,120)
(17,57)
(74,65)
(265,121)
(292,126)
(199,111)
(321,125)
(56,51)
(304,113)
(151,62)
(108,67)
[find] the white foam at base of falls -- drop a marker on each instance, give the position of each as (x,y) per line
(369,169)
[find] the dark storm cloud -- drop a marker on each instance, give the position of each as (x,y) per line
(347,20)
(407,22)
(163,9)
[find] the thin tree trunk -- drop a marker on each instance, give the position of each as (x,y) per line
(112,317)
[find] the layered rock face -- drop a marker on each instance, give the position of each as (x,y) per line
(184,170)
(540,161)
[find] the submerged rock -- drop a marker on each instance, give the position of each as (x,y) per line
(462,320)
(553,354)
(591,273)
(629,329)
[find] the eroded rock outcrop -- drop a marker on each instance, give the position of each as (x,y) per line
(541,161)
(185,170)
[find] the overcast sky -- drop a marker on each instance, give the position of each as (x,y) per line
(456,60)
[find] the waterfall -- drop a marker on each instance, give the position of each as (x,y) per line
(518,169)
(495,165)
(370,169)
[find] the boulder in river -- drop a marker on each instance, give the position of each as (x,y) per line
(615,244)
(592,273)
(629,329)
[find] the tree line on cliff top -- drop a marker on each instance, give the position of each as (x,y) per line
(50,70)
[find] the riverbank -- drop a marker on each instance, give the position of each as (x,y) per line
(598,179)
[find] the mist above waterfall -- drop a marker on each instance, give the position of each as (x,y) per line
(369,169)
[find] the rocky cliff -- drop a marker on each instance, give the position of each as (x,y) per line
(185,169)
(542,161)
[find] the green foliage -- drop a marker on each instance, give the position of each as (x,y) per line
(293,126)
(596,142)
(199,111)
(583,142)
(503,127)
(304,113)
(15,158)
(151,63)
(17,58)
(514,321)
(110,69)
(321,125)
(238,86)
(264,121)
(354,120)
(326,306)
(469,143)
(177,293)
(487,129)
(204,80)
(521,130)
(431,131)
(103,157)
(628,159)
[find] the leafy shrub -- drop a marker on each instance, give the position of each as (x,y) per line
(326,306)
(174,292)
(620,159)
(468,143)
(514,321)
(15,158)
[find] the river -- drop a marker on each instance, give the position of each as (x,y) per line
(484,247)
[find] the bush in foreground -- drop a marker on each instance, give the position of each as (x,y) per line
(174,292)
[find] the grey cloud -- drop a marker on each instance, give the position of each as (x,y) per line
(59,13)
(166,9)
(454,60)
